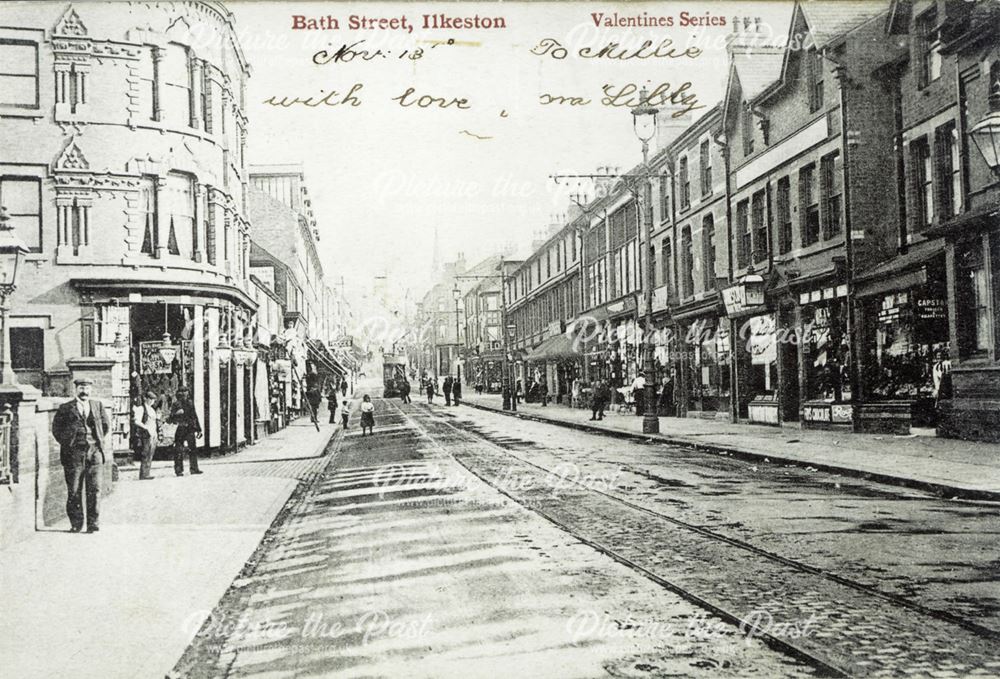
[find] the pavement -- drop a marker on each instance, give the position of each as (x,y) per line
(126,602)
(948,467)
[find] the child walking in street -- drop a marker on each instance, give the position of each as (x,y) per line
(367,415)
(345,412)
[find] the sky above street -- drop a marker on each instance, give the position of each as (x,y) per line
(385,173)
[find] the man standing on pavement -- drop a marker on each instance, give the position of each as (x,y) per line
(188,429)
(80,426)
(456,391)
(600,400)
(144,418)
(639,393)
(447,390)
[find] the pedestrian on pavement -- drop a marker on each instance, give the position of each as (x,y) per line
(313,394)
(543,393)
(404,390)
(638,394)
(456,391)
(80,426)
(517,392)
(345,412)
(188,429)
(429,388)
(343,387)
(367,415)
(666,404)
(600,400)
(331,405)
(447,390)
(145,419)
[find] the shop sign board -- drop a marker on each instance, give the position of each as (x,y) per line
(742,296)
(816,414)
(151,361)
(841,413)
(932,309)
(344,342)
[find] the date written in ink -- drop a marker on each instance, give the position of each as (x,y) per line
(358,51)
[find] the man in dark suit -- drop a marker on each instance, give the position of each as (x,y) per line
(81,426)
(446,388)
(188,429)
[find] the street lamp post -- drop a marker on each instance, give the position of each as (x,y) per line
(986,133)
(12,250)
(457,294)
(644,124)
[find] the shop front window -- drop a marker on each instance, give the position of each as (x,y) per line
(708,362)
(763,355)
(827,360)
(908,349)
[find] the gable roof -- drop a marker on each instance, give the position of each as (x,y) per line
(827,21)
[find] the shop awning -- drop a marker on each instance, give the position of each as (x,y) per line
(902,272)
(554,348)
(324,360)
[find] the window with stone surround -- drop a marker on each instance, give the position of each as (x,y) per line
(814,71)
(705,167)
(742,233)
(666,265)
(808,205)
(830,194)
(147,210)
(687,263)
(758,216)
(664,197)
(178,104)
(784,208)
(921,175)
(685,182)
(947,170)
(746,129)
(708,251)
(928,48)
(22,196)
(18,73)
(180,211)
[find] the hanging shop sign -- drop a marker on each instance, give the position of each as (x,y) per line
(747,293)
(151,359)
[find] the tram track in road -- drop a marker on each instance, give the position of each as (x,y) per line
(726,575)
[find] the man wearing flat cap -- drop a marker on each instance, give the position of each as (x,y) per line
(81,427)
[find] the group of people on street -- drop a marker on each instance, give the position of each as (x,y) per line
(451,387)
(148,431)
(81,427)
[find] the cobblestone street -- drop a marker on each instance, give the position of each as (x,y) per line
(452,543)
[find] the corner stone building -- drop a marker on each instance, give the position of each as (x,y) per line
(122,130)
